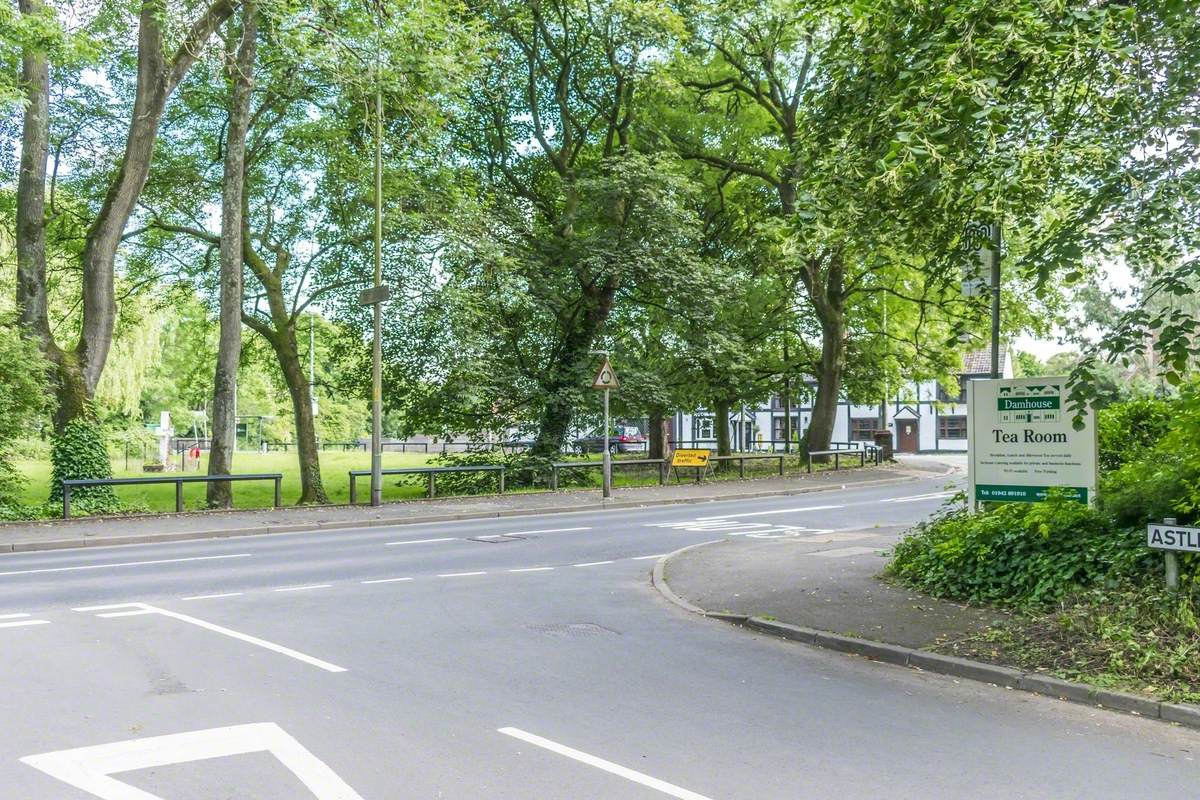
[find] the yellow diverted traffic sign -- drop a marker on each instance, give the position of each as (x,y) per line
(690,458)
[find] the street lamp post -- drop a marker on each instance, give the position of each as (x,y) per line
(377,308)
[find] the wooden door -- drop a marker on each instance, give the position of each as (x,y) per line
(908,437)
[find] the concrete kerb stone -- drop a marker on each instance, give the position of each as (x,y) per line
(221,533)
(659,581)
(1036,683)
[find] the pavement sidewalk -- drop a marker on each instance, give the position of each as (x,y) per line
(824,590)
(827,582)
(94,531)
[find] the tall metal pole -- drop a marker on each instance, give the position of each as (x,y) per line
(607,455)
(787,399)
(377,354)
(996,242)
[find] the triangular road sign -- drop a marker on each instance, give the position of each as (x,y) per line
(605,377)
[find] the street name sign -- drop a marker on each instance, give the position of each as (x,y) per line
(690,458)
(1022,442)
(1173,537)
(606,378)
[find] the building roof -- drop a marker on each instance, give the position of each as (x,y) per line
(979,362)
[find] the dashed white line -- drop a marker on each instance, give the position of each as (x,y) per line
(424,541)
(643,558)
(24,623)
(386,580)
(123,564)
(460,574)
(13,616)
(532,569)
(543,530)
(599,763)
(212,596)
(139,612)
(591,563)
(302,588)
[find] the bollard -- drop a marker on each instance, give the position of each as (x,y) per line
(178,496)
(66,501)
(278,492)
(353,490)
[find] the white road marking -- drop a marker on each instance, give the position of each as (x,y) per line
(113,614)
(773,511)
(302,588)
(212,596)
(13,616)
(591,563)
(543,530)
(844,552)
(386,580)
(89,768)
(208,626)
(532,569)
(424,541)
(643,558)
(460,574)
(124,564)
(916,497)
(730,527)
(599,763)
(24,623)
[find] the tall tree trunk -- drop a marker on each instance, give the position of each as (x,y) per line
(660,435)
(829,379)
(312,490)
(229,348)
(721,410)
(31,190)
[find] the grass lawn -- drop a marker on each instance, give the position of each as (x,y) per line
(336,464)
(249,494)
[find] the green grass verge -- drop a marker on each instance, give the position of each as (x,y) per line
(250,494)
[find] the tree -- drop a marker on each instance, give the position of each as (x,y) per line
(568,214)
(240,66)
(78,367)
(24,399)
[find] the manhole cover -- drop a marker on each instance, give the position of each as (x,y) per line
(572,630)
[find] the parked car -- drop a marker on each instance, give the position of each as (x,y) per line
(623,439)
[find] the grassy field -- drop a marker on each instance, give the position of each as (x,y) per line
(250,494)
(334,468)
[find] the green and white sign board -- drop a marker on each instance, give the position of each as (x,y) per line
(1021,442)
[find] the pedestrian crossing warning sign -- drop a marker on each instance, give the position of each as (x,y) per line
(605,377)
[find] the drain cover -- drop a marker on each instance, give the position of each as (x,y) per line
(572,630)
(497,538)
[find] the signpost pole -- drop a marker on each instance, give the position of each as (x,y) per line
(1170,562)
(607,454)
(996,242)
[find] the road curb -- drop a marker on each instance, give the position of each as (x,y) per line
(265,530)
(953,666)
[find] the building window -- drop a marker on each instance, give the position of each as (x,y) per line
(777,432)
(946,397)
(704,428)
(862,429)
(952,427)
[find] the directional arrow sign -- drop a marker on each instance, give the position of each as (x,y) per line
(605,377)
(89,768)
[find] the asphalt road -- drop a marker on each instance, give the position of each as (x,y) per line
(515,658)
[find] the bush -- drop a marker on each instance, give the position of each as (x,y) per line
(1019,553)
(1126,431)
(523,471)
(80,451)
